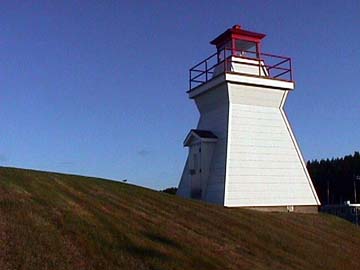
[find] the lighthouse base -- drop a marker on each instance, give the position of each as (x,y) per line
(308,209)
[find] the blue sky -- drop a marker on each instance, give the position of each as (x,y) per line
(98,87)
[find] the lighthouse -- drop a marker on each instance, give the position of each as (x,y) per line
(243,152)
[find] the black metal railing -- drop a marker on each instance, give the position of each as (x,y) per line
(267,65)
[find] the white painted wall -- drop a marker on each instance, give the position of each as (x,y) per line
(195,177)
(184,187)
(264,166)
(242,65)
(213,107)
(207,155)
(256,160)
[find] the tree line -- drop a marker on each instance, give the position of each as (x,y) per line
(336,179)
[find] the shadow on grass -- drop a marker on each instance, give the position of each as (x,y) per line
(146,252)
(150,254)
(161,239)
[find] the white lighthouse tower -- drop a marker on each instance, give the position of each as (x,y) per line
(243,152)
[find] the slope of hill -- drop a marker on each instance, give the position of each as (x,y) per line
(57,221)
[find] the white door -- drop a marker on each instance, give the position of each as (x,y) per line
(195,171)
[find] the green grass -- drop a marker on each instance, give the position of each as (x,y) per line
(58,221)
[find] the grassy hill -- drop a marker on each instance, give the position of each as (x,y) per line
(58,221)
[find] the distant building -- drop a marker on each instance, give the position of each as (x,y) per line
(348,211)
(243,152)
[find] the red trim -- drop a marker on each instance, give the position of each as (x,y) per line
(237,33)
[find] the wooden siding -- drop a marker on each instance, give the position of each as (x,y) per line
(264,167)
(185,182)
(256,160)
(214,107)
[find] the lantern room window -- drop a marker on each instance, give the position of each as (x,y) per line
(243,47)
(224,51)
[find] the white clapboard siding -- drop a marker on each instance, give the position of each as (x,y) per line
(214,108)
(266,164)
(250,95)
(256,160)
(263,164)
(185,182)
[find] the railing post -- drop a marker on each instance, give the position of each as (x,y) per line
(291,71)
(206,71)
(189,79)
(259,67)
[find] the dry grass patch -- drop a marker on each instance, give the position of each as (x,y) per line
(58,221)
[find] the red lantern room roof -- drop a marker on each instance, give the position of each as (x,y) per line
(237,33)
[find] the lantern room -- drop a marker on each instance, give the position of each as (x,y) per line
(239,42)
(239,51)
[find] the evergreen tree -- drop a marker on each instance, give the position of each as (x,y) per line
(334,179)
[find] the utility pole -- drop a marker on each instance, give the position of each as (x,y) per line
(328,192)
(356,178)
(355,200)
